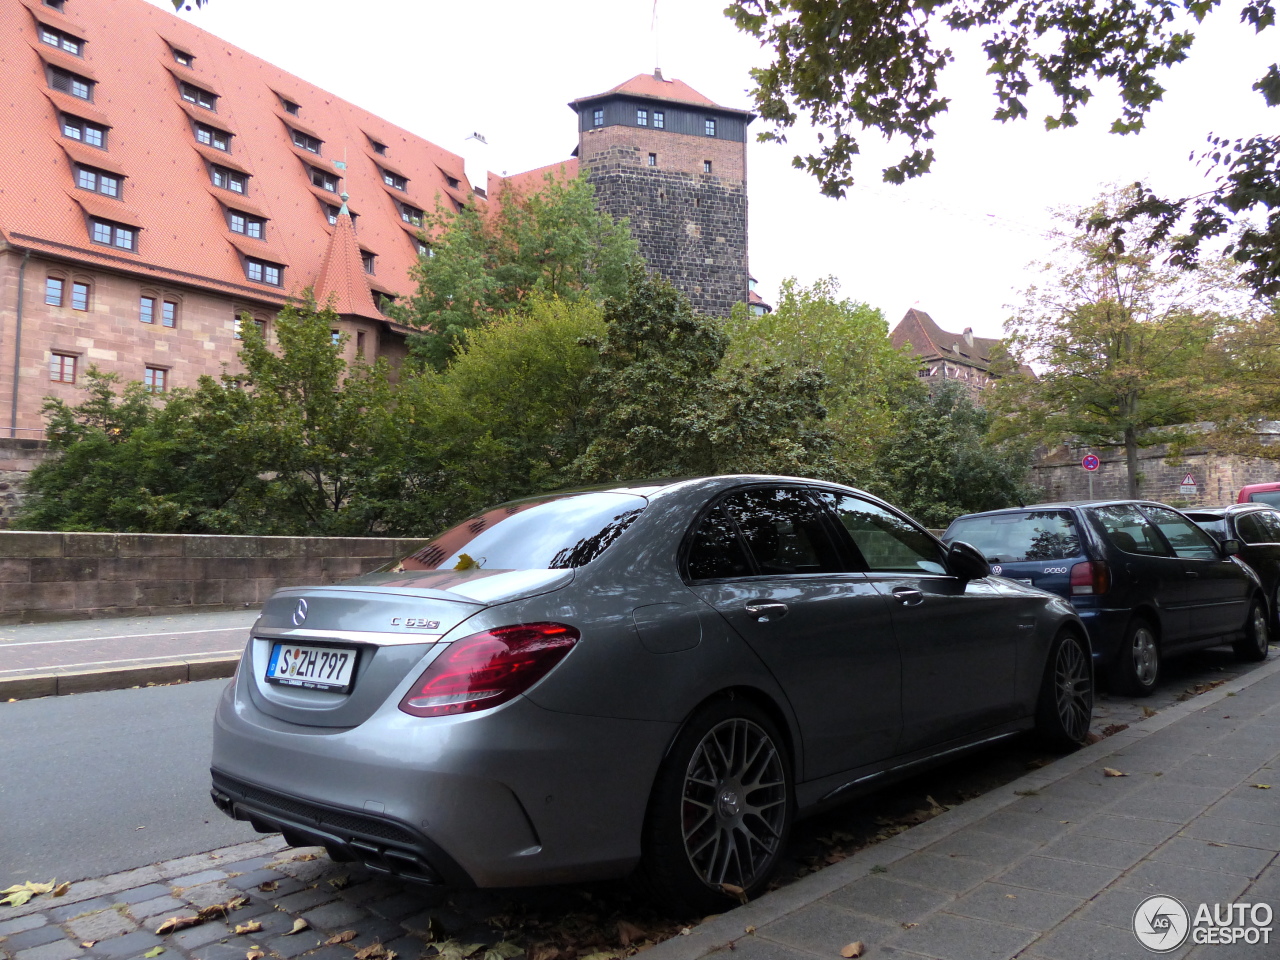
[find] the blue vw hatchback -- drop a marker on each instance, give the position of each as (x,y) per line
(1147,582)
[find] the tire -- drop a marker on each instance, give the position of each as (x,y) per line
(1253,647)
(1065,707)
(1136,668)
(703,828)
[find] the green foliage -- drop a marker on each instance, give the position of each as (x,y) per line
(846,66)
(662,403)
(848,341)
(941,461)
(485,263)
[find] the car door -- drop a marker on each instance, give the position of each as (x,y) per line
(765,559)
(1217,590)
(959,640)
(1147,572)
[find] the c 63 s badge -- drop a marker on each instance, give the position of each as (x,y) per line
(415,623)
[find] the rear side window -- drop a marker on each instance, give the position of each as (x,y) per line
(1128,530)
(1249,527)
(1185,537)
(1014,537)
(1270,521)
(716,551)
(556,533)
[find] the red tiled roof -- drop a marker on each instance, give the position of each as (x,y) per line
(59,20)
(57,57)
(184,235)
(647,85)
(930,342)
(342,282)
(89,156)
(531,180)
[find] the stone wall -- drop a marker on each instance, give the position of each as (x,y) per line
(65,576)
(18,457)
(1218,477)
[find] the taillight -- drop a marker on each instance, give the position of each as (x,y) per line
(489,668)
(1089,579)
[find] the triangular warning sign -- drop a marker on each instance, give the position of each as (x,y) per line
(1189,480)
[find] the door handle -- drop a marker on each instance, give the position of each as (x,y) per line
(766,610)
(1192,574)
(908,596)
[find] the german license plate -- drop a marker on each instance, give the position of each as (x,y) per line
(316,668)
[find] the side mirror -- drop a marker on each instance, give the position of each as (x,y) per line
(966,562)
(1230,547)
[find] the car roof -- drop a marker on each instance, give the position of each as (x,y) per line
(1056,505)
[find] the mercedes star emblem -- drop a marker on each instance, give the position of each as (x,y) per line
(299,613)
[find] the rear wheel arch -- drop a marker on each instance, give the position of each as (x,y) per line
(765,702)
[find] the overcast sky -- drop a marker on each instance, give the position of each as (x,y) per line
(956,243)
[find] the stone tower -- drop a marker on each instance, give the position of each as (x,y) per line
(675,163)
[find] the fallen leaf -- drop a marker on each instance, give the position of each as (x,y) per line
(173,924)
(337,938)
(853,950)
(298,926)
(1011,896)
(1262,786)
(1112,772)
(87,943)
(306,856)
(1147,713)
(908,926)
(62,888)
(154,952)
(20,893)
(270,886)
(733,890)
(340,882)
(629,933)
(253,926)
(1026,793)
(602,955)
(221,909)
(750,930)
(254,955)
(1111,729)
(685,931)
(450,949)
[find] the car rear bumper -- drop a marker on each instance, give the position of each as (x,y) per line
(513,796)
(1106,630)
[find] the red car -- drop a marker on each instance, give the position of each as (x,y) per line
(1268,493)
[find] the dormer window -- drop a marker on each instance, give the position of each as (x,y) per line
(73,128)
(290,107)
(396,181)
(227,179)
(110,234)
(54,4)
(212,137)
(424,250)
(247,224)
(199,96)
(305,142)
(262,271)
(98,181)
(72,83)
(63,41)
(182,58)
(410,214)
(379,148)
(367,259)
(324,180)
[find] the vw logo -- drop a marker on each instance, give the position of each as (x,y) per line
(996,568)
(300,613)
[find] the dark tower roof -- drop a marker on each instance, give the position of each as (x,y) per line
(654,86)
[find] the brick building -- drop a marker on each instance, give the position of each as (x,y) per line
(944,356)
(160,183)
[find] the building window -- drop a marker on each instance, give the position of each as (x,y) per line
(659,119)
(198,95)
(290,107)
(183,58)
(706,166)
(642,118)
(597,118)
(98,181)
(54,4)
(367,259)
(113,234)
(324,180)
(259,325)
(155,379)
(169,313)
(62,367)
(301,140)
(335,337)
(79,296)
(228,179)
(424,249)
(710,127)
(394,180)
(53,287)
(653,159)
(410,214)
(379,148)
(248,225)
(74,128)
(63,41)
(71,83)
(210,137)
(260,271)
(452,181)
(360,343)
(147,309)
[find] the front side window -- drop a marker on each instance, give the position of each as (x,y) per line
(72,83)
(783,531)
(98,181)
(597,118)
(74,128)
(1185,537)
(79,296)
(198,95)
(887,542)
(1017,537)
(709,127)
(155,379)
(1129,531)
(62,368)
(213,138)
(53,290)
(659,119)
(554,533)
(642,118)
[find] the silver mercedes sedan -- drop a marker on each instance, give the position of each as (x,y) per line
(656,677)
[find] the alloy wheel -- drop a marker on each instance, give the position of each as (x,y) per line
(734,804)
(1146,656)
(1260,636)
(1074,684)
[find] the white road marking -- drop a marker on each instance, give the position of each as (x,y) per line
(4,645)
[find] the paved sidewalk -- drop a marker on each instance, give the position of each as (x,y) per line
(1050,867)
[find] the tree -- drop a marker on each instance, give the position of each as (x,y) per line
(941,460)
(661,403)
(852,65)
(1120,346)
(485,262)
(848,341)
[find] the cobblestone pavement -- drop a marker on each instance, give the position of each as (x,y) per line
(1049,866)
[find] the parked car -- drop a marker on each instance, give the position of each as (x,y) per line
(565,687)
(1268,493)
(1147,582)
(1257,528)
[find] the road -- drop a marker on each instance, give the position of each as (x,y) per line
(101,782)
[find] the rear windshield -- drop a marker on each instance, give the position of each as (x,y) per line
(1012,537)
(556,533)
(1270,497)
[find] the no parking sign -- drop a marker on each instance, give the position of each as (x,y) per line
(1090,462)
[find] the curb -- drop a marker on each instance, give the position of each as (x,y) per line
(62,681)
(728,927)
